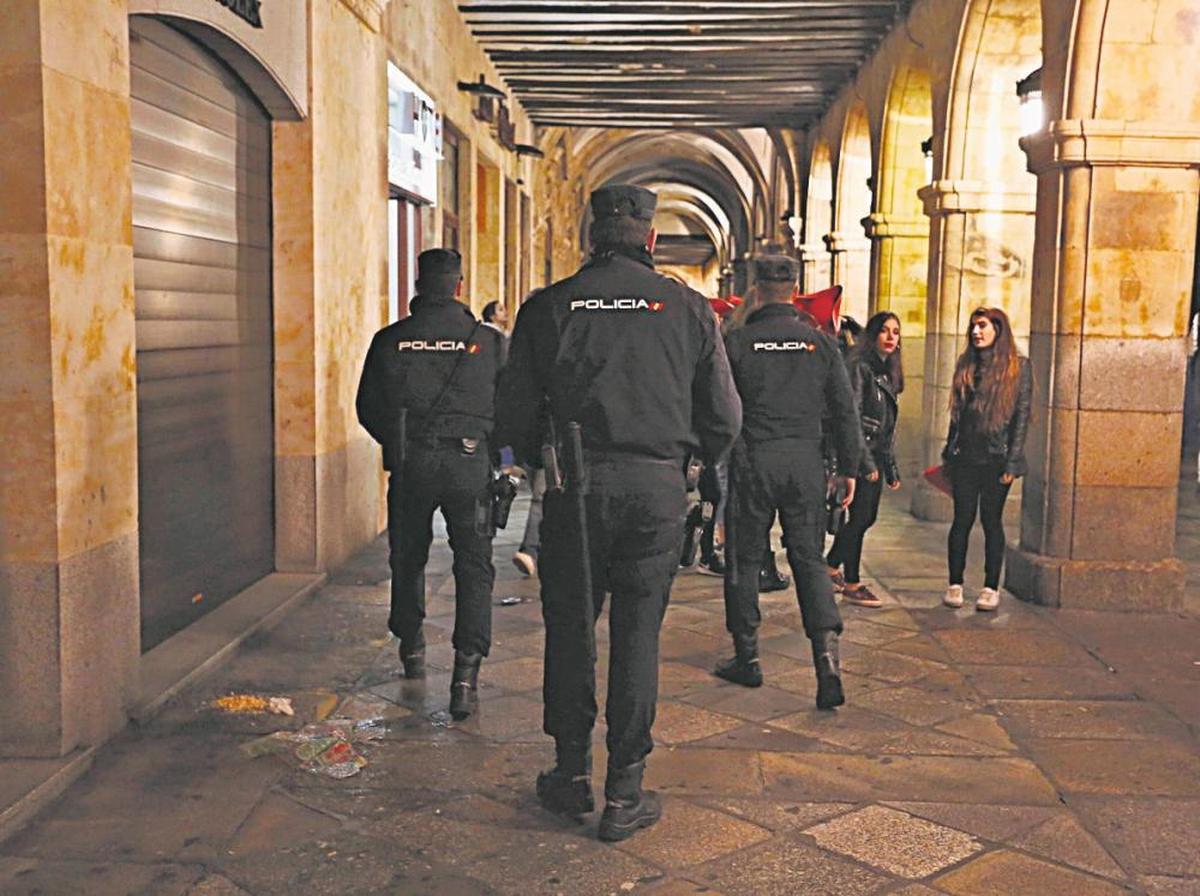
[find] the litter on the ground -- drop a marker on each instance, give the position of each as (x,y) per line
(323,748)
(280,706)
(510,601)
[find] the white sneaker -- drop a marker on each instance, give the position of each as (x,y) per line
(526,563)
(953,596)
(989,599)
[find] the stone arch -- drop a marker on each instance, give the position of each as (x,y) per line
(818,219)
(899,232)
(852,205)
(981,203)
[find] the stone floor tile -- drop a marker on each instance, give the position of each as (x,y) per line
(830,776)
(914,890)
(704,772)
(921,646)
(690,834)
(682,887)
(679,723)
(915,705)
(49,877)
(216,885)
(778,816)
(1044,682)
(752,704)
(981,728)
(1156,885)
(1004,873)
(893,668)
(786,866)
(758,736)
(895,841)
(1148,836)
(924,742)
(676,679)
(278,822)
(1088,719)
(870,634)
(523,674)
(1144,767)
(989,821)
(1064,840)
(895,617)
(849,728)
(1004,646)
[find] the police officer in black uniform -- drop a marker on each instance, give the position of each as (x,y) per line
(636,360)
(427,396)
(790,377)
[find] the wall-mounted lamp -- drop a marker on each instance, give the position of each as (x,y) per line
(927,152)
(1029,91)
(481,88)
(528,149)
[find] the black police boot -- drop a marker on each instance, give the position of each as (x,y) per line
(743,667)
(627,808)
(412,657)
(769,576)
(829,672)
(464,684)
(566,789)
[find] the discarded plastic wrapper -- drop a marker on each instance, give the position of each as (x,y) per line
(324,748)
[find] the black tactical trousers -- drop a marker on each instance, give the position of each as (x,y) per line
(785,476)
(441,476)
(635,513)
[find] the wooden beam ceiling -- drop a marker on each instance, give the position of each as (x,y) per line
(678,63)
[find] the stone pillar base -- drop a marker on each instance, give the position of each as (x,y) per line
(930,504)
(1095,584)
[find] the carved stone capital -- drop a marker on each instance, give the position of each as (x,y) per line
(879,226)
(1092,141)
(948,197)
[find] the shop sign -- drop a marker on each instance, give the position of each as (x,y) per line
(247,10)
(414,137)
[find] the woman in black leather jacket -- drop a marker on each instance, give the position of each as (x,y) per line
(990,400)
(877,378)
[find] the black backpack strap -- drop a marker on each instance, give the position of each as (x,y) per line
(433,407)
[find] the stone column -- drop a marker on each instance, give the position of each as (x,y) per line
(980,253)
(69,615)
(899,267)
(850,258)
(1117,209)
(815,267)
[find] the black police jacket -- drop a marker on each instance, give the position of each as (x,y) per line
(411,362)
(631,355)
(878,408)
(1006,445)
(790,376)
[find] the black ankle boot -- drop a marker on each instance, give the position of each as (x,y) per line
(769,576)
(829,671)
(412,657)
(627,808)
(743,667)
(566,789)
(464,684)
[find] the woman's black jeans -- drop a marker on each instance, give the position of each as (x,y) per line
(977,489)
(848,543)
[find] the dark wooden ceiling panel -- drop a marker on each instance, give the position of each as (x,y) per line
(678,63)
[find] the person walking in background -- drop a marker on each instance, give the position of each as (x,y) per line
(877,379)
(990,400)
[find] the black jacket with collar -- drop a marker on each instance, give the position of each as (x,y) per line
(438,350)
(793,382)
(632,356)
(879,409)
(1007,444)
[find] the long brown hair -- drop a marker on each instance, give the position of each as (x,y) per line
(867,343)
(989,378)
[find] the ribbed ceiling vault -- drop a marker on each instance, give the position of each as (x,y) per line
(678,63)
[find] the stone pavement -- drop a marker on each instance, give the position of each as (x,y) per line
(1023,752)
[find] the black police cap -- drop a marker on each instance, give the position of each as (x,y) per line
(776,268)
(439,264)
(616,200)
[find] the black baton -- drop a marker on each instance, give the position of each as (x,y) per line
(576,484)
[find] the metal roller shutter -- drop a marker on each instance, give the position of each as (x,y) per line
(202,272)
